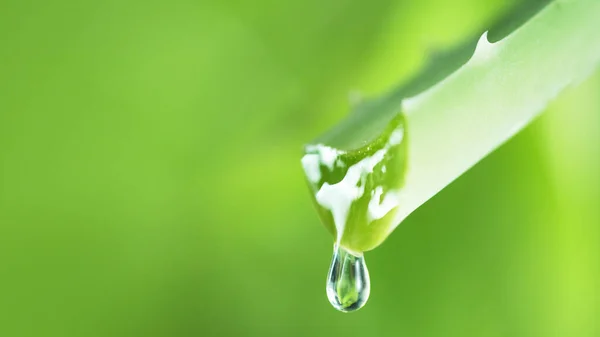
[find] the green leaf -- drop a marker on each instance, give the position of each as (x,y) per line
(451,116)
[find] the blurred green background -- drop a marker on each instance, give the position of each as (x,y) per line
(150,182)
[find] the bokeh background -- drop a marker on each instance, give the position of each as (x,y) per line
(150,182)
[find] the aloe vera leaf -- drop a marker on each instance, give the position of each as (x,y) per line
(453,122)
(504,85)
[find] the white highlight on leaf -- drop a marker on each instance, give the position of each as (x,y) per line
(310,163)
(328,156)
(317,155)
(377,209)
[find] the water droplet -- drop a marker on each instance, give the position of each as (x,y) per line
(348,284)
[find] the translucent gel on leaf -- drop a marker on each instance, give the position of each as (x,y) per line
(356,191)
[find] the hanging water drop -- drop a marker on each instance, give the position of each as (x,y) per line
(348,284)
